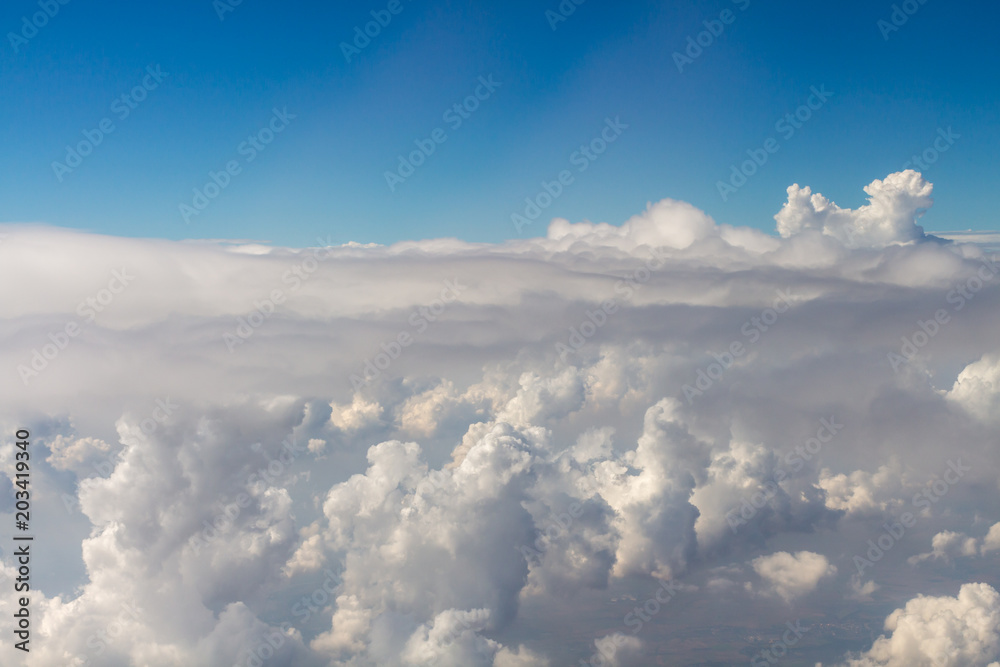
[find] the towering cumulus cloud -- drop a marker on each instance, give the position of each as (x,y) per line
(671,441)
(889,217)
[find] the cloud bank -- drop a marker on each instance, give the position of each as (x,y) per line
(540,452)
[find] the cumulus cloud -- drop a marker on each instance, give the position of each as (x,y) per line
(77,453)
(888,218)
(948,545)
(960,631)
(792,575)
(668,223)
(992,540)
(451,641)
(615,650)
(863,491)
(356,416)
(528,460)
(977,388)
(860,589)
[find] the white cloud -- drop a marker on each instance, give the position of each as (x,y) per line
(668,223)
(992,540)
(79,454)
(861,590)
(485,493)
(888,217)
(615,650)
(790,576)
(861,491)
(948,545)
(961,631)
(977,388)
(356,416)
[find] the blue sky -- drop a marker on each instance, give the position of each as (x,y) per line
(323,175)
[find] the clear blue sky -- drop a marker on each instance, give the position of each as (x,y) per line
(324,174)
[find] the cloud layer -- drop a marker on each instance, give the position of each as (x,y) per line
(532,453)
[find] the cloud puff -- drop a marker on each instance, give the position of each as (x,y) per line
(977,387)
(615,650)
(948,545)
(668,223)
(792,575)
(961,631)
(888,217)
(356,416)
(77,454)
(860,589)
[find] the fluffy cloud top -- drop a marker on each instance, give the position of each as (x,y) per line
(961,631)
(449,453)
(792,575)
(888,217)
(948,545)
(977,387)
